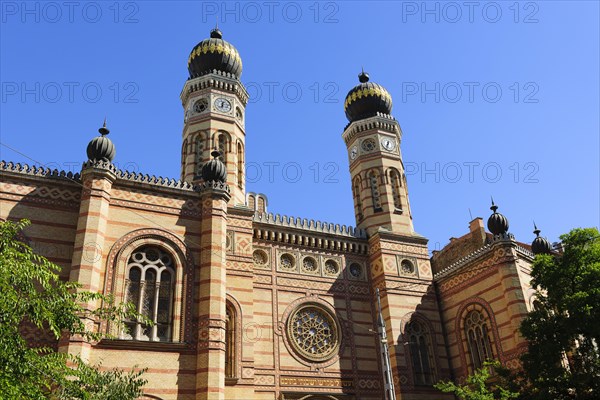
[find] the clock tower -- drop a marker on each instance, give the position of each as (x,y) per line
(214,102)
(378,180)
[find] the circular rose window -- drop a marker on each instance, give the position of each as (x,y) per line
(314,333)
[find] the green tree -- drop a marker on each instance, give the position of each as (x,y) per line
(31,292)
(563,332)
(479,386)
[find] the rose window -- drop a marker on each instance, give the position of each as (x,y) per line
(355,270)
(259,257)
(331,267)
(287,261)
(368,145)
(309,264)
(313,332)
(407,267)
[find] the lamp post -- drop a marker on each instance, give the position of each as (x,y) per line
(388,381)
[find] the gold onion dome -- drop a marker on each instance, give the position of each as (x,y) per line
(367,99)
(214,54)
(101,148)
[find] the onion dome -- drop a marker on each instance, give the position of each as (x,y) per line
(497,223)
(540,245)
(101,148)
(214,170)
(367,99)
(214,54)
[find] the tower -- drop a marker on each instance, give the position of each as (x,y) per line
(399,265)
(214,102)
(373,139)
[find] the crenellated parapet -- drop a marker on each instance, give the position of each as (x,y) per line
(170,183)
(42,172)
(312,225)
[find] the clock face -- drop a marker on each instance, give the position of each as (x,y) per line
(388,144)
(353,152)
(222,104)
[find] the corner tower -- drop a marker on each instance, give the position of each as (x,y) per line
(214,102)
(373,139)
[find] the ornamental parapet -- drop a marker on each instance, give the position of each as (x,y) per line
(215,80)
(309,233)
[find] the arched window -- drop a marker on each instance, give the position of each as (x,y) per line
(261,205)
(395,182)
(421,354)
(199,154)
(184,151)
(230,345)
(222,147)
(478,338)
(149,286)
(357,199)
(375,191)
(240,168)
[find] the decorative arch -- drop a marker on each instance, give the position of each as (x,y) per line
(396,184)
(357,192)
(418,338)
(233,338)
(222,142)
(373,177)
(119,256)
(240,164)
(476,305)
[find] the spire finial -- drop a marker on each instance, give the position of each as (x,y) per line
(494,207)
(536,231)
(104,130)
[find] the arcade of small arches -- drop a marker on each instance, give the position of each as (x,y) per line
(374,180)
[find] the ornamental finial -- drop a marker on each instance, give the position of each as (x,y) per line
(104,130)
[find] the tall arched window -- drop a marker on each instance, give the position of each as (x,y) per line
(199,154)
(421,354)
(395,182)
(149,286)
(222,146)
(230,353)
(375,191)
(240,168)
(478,338)
(358,200)
(184,151)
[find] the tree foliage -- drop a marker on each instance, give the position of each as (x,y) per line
(31,292)
(479,387)
(563,332)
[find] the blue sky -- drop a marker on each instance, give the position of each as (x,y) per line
(494,98)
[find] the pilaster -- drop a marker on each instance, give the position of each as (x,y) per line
(210,362)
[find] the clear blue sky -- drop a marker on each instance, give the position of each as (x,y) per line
(479,90)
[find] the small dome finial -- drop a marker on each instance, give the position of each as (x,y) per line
(363,77)
(104,130)
(497,223)
(540,245)
(214,170)
(216,33)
